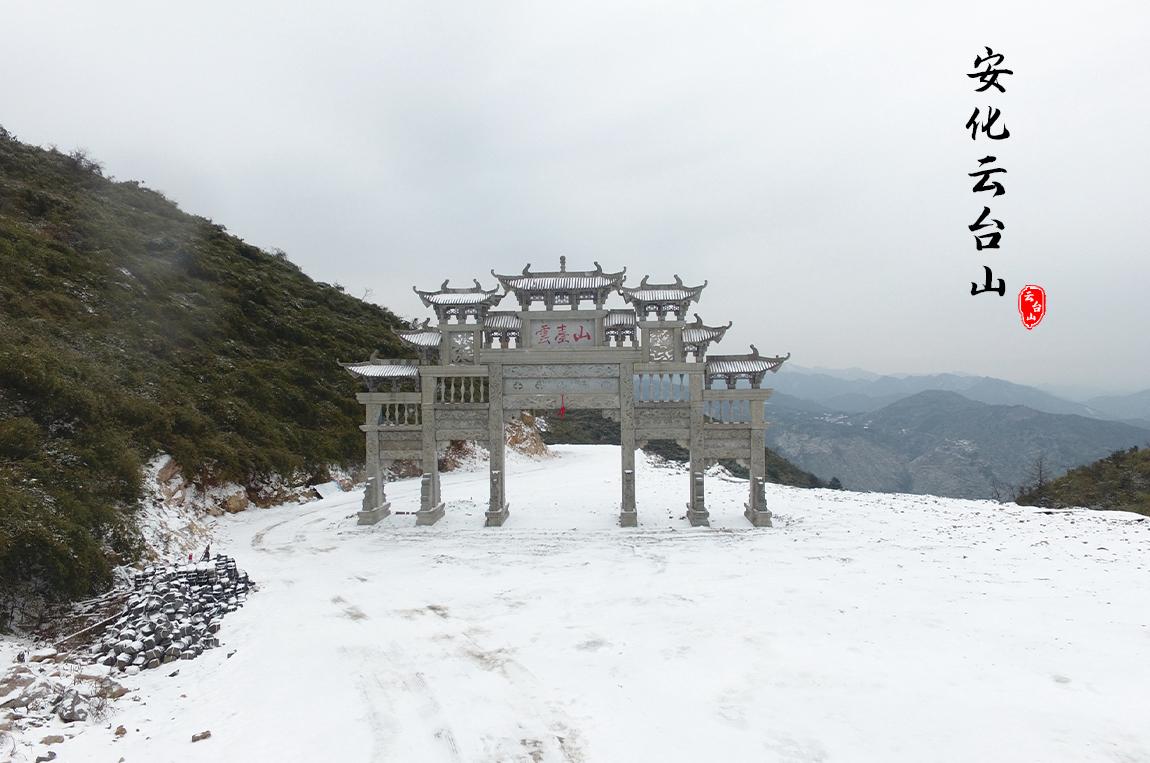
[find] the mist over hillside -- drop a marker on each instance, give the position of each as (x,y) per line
(130,328)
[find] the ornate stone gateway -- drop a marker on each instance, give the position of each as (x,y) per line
(644,366)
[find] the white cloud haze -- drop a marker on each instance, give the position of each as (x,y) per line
(809,159)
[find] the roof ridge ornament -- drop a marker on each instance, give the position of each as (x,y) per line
(562,263)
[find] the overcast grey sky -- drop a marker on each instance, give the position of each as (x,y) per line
(808,158)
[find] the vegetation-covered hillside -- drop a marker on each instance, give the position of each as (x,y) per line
(1121,481)
(128,328)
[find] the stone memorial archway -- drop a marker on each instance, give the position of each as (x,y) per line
(645,365)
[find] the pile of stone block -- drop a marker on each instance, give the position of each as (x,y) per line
(173,613)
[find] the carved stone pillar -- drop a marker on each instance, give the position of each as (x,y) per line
(375,504)
(756,511)
(697,508)
(430,506)
(628,516)
(496,443)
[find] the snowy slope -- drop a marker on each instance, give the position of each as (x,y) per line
(864,627)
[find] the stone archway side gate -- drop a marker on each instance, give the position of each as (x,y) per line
(644,365)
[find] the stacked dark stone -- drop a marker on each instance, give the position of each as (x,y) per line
(173,613)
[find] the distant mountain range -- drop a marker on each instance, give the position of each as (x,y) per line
(935,441)
(853,392)
(1134,408)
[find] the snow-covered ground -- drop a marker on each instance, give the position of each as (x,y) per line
(863,627)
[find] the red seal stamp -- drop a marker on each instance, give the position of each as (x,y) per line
(1032,305)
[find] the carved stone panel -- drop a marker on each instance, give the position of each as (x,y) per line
(663,417)
(562,371)
(461,419)
(660,344)
(529,386)
(462,347)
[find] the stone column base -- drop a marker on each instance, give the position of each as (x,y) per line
(496,518)
(371,516)
(698,518)
(758,518)
(429,516)
(629,518)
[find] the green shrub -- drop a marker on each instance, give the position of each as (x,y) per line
(128,328)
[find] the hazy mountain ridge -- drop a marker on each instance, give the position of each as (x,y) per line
(942,443)
(1134,407)
(854,392)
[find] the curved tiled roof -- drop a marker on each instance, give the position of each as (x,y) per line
(502,321)
(458,298)
(616,318)
(752,364)
(696,334)
(665,294)
(382,370)
(561,280)
(661,292)
(421,338)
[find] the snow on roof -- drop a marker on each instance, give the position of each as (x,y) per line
(617,318)
(742,366)
(502,320)
(673,294)
(383,370)
(458,298)
(561,280)
(750,364)
(421,338)
(696,334)
(566,282)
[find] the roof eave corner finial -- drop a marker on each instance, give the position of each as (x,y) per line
(443,286)
(754,351)
(678,281)
(698,320)
(527,269)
